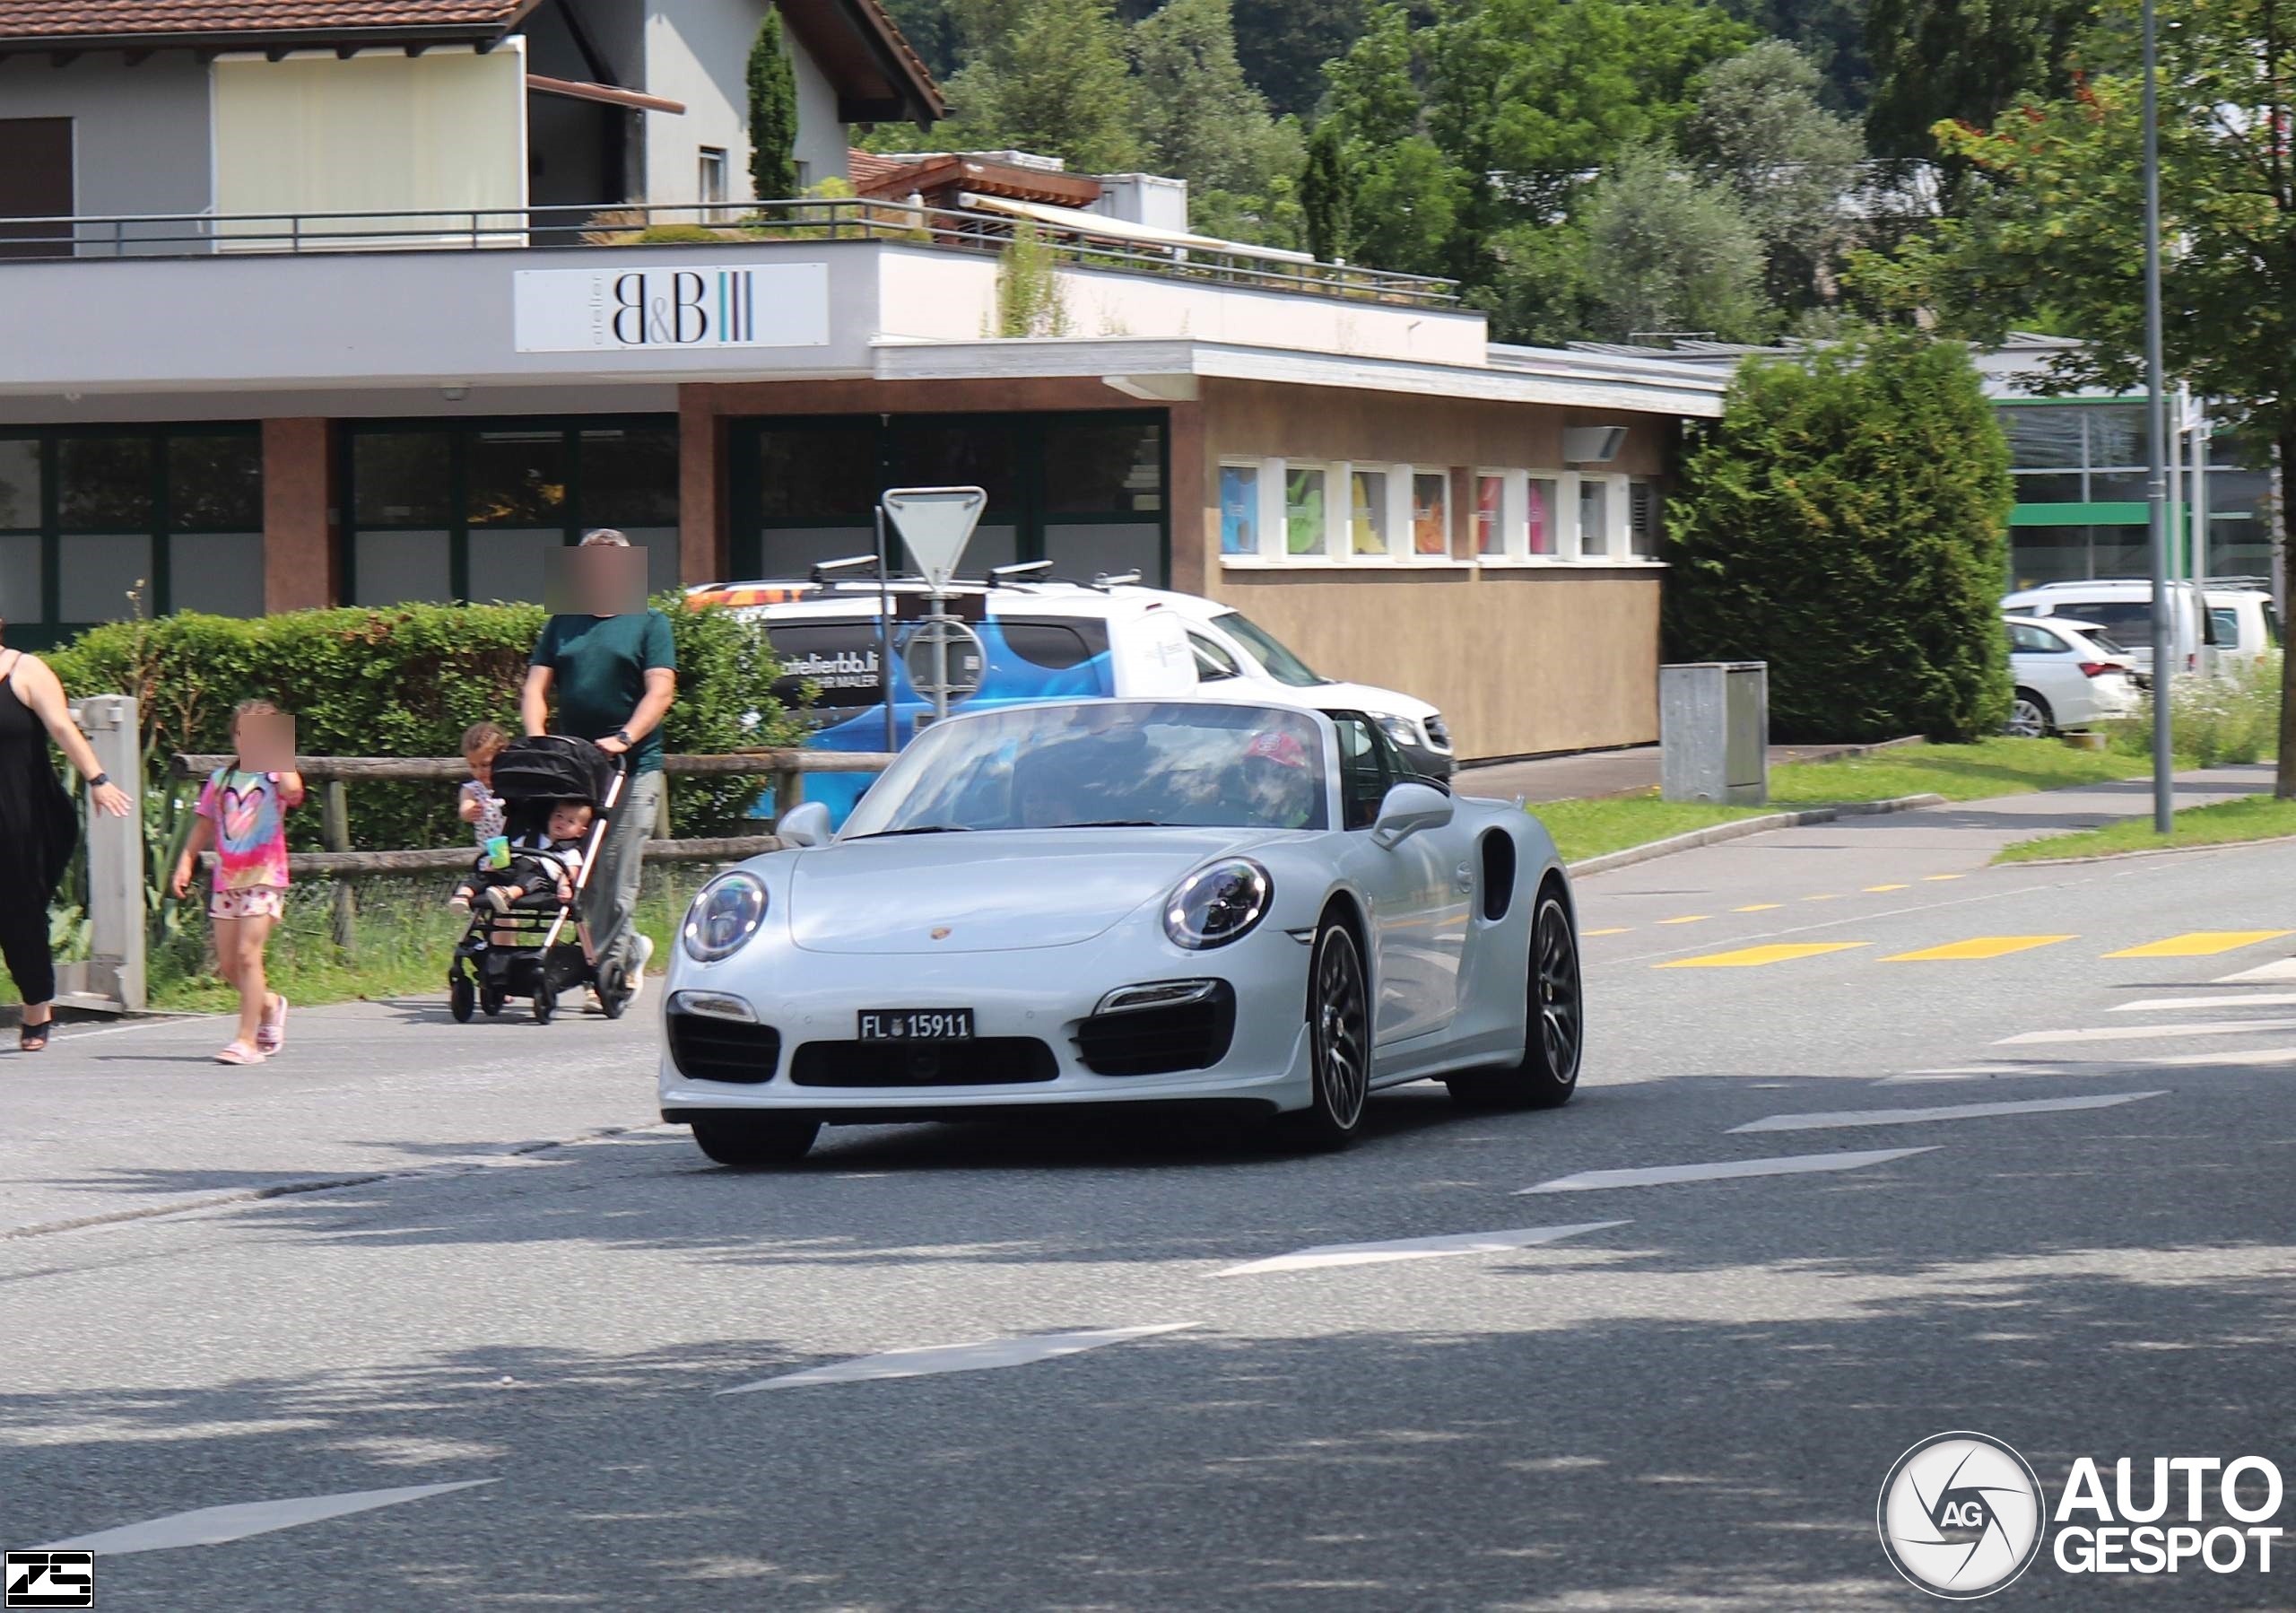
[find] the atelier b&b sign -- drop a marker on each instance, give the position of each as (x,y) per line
(686,308)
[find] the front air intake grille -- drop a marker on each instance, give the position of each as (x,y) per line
(983,1062)
(723,1050)
(1438,734)
(1156,1042)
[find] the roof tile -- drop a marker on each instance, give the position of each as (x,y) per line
(101,19)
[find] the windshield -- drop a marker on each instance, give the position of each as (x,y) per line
(1268,650)
(1104,763)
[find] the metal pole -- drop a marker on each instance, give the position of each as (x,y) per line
(2156,475)
(2197,495)
(939,657)
(885,634)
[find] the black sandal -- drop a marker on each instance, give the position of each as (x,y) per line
(33,1038)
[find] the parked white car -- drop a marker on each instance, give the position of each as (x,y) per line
(1191,901)
(2069,674)
(2240,626)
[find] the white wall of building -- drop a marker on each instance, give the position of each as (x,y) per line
(139,133)
(697,52)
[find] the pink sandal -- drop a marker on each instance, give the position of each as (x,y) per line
(271,1036)
(239,1053)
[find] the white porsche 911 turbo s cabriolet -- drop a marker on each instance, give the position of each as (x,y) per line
(1110,902)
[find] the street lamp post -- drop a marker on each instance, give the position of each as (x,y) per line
(2156,475)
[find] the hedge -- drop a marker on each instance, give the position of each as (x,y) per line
(407,681)
(1845,521)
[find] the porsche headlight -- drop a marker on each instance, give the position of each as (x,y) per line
(1218,904)
(723,917)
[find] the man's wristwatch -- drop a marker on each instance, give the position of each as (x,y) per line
(100,780)
(623,735)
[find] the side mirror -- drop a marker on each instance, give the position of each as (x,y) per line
(1407,809)
(804,825)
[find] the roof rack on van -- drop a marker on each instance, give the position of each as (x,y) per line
(2262,584)
(1104,581)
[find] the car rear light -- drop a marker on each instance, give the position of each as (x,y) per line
(2098,668)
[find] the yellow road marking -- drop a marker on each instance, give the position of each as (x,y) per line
(1757,907)
(1829,896)
(1750,957)
(1884,888)
(2201,944)
(1619,930)
(1685,918)
(1932,878)
(1977,946)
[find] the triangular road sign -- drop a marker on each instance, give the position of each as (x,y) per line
(935,522)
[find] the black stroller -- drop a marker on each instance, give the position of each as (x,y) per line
(533,948)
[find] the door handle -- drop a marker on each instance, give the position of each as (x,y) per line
(1465,875)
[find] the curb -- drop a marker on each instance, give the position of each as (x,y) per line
(2069,862)
(317,1184)
(1695,838)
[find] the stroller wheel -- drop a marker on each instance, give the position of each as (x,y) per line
(461,995)
(489,1002)
(545,1002)
(614,990)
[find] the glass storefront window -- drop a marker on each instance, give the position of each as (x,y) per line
(1240,509)
(2115,436)
(820,475)
(402,478)
(1541,512)
(218,572)
(516,479)
(1366,522)
(2048,488)
(103,485)
(1430,514)
(96,576)
(2043,439)
(630,478)
(19,482)
(1104,467)
(1105,548)
(21,573)
(1593,517)
(215,484)
(983,453)
(1303,510)
(1491,515)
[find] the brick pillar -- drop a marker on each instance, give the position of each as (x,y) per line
(704,552)
(1194,524)
(301,567)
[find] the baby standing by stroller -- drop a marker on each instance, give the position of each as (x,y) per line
(559,797)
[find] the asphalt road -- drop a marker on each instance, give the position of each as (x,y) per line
(1687,1403)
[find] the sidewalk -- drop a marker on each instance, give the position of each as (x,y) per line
(1602,772)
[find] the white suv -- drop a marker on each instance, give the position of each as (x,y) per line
(1040,640)
(2068,674)
(2239,630)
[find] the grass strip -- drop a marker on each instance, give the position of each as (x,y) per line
(2218,824)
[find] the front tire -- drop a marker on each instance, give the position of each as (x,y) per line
(462,997)
(1339,1043)
(754,1139)
(546,1001)
(1556,1028)
(2030,716)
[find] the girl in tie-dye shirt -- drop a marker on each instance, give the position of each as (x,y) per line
(243,817)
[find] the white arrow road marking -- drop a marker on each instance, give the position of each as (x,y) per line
(215,1525)
(1840,1118)
(1415,1248)
(1720,1170)
(960,1358)
(2279,969)
(2147,1032)
(2157,1005)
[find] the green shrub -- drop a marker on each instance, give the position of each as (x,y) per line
(2213,720)
(407,681)
(1843,521)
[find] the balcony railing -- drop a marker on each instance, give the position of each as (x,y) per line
(549,228)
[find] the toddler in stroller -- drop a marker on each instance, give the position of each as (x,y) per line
(524,940)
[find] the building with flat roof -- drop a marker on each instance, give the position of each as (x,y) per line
(329,361)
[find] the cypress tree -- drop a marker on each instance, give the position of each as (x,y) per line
(773,114)
(1326,194)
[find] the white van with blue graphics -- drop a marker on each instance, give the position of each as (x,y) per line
(1039,640)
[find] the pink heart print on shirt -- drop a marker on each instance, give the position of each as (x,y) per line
(242,815)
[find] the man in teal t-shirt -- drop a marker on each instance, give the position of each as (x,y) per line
(616,677)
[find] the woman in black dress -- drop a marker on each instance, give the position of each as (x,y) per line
(38,826)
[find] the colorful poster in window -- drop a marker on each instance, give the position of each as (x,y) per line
(1239,509)
(1542,510)
(1430,514)
(1368,517)
(1490,504)
(1303,511)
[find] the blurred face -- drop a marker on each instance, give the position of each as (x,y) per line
(266,741)
(598,580)
(568,822)
(482,764)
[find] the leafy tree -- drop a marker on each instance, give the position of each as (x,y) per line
(1843,521)
(1537,289)
(773,113)
(1405,197)
(930,25)
(1964,59)
(1758,128)
(1831,32)
(1056,82)
(1327,195)
(2060,224)
(1200,120)
(1283,45)
(1668,251)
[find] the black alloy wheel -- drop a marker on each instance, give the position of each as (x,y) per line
(1555,1026)
(1339,1041)
(754,1139)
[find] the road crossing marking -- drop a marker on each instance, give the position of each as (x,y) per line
(1722,1170)
(979,1356)
(218,1525)
(1757,907)
(2279,969)
(1752,957)
(2158,1005)
(2147,1032)
(1416,1249)
(2201,944)
(1977,946)
(1844,1119)
(1619,929)
(1875,889)
(1687,919)
(2262,1055)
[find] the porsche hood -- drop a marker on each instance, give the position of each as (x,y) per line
(990,891)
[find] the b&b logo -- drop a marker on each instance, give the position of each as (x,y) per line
(1960,1515)
(51,1579)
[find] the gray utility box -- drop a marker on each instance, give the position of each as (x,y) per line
(1714,732)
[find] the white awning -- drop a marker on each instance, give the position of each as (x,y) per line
(1103,227)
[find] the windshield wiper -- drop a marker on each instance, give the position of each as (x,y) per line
(1114,822)
(920,829)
